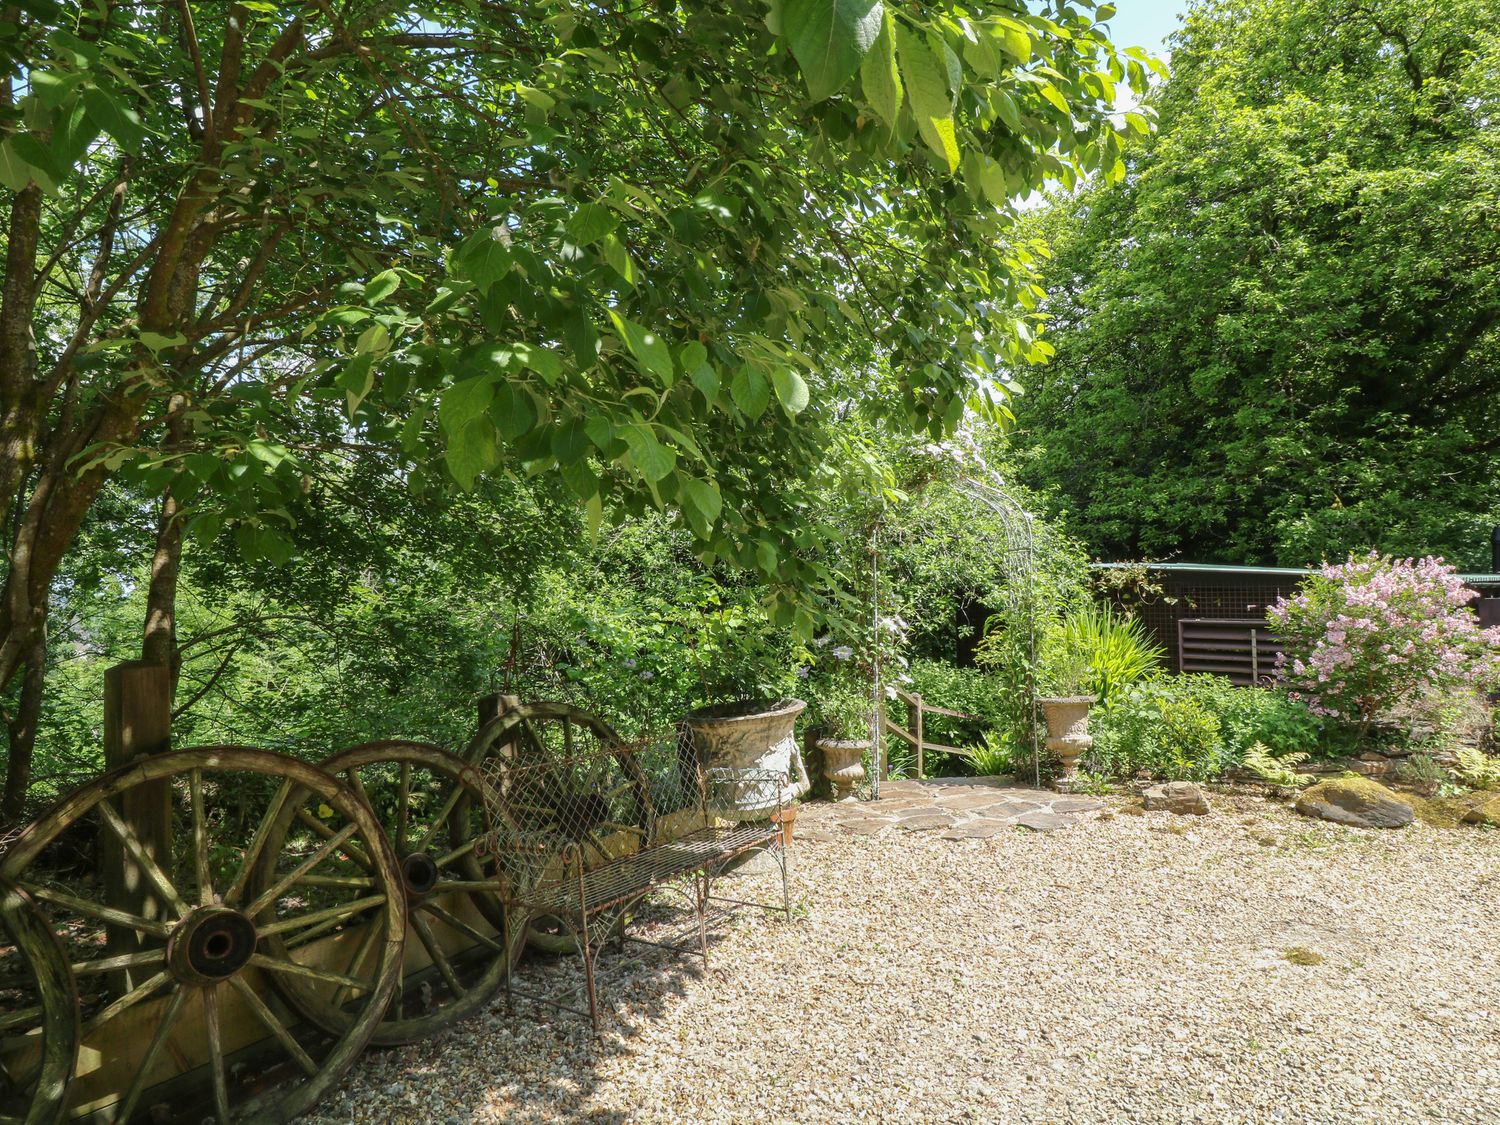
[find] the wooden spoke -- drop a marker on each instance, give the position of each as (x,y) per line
(321,829)
(142,858)
(126,1105)
(216,1053)
(200,839)
(258,842)
(123,961)
(311,972)
(98,910)
(464,849)
(450,919)
(445,885)
(437,822)
(274,1026)
(277,889)
(134,996)
(20,1017)
(403,804)
(436,952)
(360,952)
(317,917)
(353,882)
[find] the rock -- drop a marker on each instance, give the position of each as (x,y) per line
(1356,801)
(1042,821)
(1487,813)
(1180,797)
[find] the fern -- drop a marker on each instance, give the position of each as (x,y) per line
(1476,769)
(1278,771)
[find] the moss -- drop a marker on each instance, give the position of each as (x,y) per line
(1133,810)
(1298,955)
(1448,812)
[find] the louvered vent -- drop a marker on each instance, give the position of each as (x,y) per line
(1243,650)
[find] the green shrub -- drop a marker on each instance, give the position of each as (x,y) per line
(1196,727)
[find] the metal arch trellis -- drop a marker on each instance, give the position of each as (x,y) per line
(1019,526)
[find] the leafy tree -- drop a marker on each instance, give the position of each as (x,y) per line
(1276,339)
(646,247)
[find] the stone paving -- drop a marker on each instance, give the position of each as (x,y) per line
(957,808)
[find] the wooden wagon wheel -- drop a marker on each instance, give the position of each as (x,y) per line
(176,1021)
(532,732)
(38,1014)
(432,808)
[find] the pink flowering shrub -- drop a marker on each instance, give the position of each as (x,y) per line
(1377,636)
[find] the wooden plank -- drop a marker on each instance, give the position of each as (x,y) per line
(961,751)
(900,732)
(931,710)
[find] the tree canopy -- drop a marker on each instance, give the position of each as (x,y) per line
(1277,338)
(653,253)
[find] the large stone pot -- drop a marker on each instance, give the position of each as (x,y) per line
(751,735)
(843,764)
(1068,734)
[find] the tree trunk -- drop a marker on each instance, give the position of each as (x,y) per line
(21,732)
(159,642)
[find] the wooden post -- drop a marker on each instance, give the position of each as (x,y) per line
(918,731)
(137,721)
(493,706)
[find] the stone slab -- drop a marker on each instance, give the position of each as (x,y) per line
(922,821)
(979,829)
(1042,821)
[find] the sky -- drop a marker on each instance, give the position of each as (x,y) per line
(1145,23)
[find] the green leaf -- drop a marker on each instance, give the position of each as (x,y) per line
(649,350)
(791,390)
(1016,40)
(15,173)
(767,555)
(543,361)
(570,442)
(652,459)
(829,38)
(1052,94)
(381,286)
(471,450)
(750,391)
(879,76)
(1005,106)
(619,258)
(513,411)
(579,476)
(465,401)
(702,498)
(155,341)
(928,89)
(356,380)
(115,117)
(590,223)
(483,259)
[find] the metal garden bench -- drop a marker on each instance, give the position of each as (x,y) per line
(582,837)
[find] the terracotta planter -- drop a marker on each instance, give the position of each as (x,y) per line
(843,764)
(1068,734)
(751,736)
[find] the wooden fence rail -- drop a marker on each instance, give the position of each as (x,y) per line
(917,712)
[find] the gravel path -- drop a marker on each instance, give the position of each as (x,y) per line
(1128,968)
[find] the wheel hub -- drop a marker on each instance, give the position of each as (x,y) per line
(211,944)
(420,874)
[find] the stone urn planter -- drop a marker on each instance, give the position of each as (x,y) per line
(1068,734)
(843,764)
(752,735)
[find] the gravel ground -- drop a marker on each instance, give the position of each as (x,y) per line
(1249,966)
